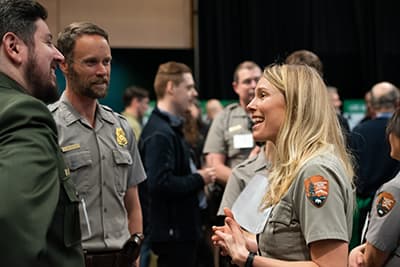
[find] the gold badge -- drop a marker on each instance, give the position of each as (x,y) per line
(317,190)
(121,138)
(384,203)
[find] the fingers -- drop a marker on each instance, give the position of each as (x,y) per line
(228,213)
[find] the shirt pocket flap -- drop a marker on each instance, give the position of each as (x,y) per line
(122,157)
(78,160)
(282,213)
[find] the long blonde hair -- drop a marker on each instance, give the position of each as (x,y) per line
(310,127)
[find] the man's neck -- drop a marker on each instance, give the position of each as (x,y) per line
(85,106)
(167,106)
(132,111)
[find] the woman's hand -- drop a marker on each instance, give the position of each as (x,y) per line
(231,239)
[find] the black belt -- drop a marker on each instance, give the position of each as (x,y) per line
(106,259)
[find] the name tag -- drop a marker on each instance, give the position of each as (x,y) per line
(70,147)
(235,128)
(243,141)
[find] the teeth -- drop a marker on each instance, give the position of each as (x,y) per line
(257,120)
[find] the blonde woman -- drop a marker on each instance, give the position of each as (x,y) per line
(310,191)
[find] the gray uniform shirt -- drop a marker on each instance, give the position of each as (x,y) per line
(241,175)
(384,226)
(104,163)
(232,121)
(318,205)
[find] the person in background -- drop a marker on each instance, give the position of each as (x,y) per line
(173,185)
(309,195)
(136,102)
(369,112)
(213,107)
(99,147)
(39,217)
(371,150)
(229,140)
(382,246)
(337,104)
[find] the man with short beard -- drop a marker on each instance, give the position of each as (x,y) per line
(39,223)
(99,147)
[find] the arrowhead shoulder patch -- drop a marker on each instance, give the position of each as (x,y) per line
(384,203)
(317,190)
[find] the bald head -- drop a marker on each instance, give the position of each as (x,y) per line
(384,96)
(213,107)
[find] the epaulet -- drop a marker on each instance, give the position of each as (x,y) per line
(107,108)
(232,106)
(121,116)
(53,107)
(247,162)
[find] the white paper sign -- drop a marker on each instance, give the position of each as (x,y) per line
(243,141)
(246,209)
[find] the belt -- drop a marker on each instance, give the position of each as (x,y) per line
(106,259)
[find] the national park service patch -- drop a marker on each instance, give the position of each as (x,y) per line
(384,203)
(317,190)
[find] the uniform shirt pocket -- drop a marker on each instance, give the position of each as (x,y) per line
(283,234)
(79,163)
(123,161)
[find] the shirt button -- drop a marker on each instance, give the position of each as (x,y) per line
(171,232)
(105,209)
(103,157)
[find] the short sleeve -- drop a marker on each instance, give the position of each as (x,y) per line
(321,199)
(384,227)
(215,138)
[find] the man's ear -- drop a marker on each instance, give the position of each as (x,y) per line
(170,88)
(14,47)
(63,66)
(235,86)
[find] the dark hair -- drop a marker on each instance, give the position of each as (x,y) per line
(133,92)
(19,17)
(67,38)
(305,57)
(170,71)
(393,126)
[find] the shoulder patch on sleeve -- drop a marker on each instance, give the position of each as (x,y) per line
(317,190)
(384,203)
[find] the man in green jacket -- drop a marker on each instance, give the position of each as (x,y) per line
(39,219)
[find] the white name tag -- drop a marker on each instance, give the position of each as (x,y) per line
(243,141)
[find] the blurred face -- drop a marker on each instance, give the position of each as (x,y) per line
(394,146)
(267,110)
(337,103)
(41,65)
(246,83)
(89,72)
(184,94)
(143,106)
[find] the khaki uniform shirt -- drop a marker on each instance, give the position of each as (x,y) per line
(318,206)
(384,226)
(104,163)
(241,175)
(225,132)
